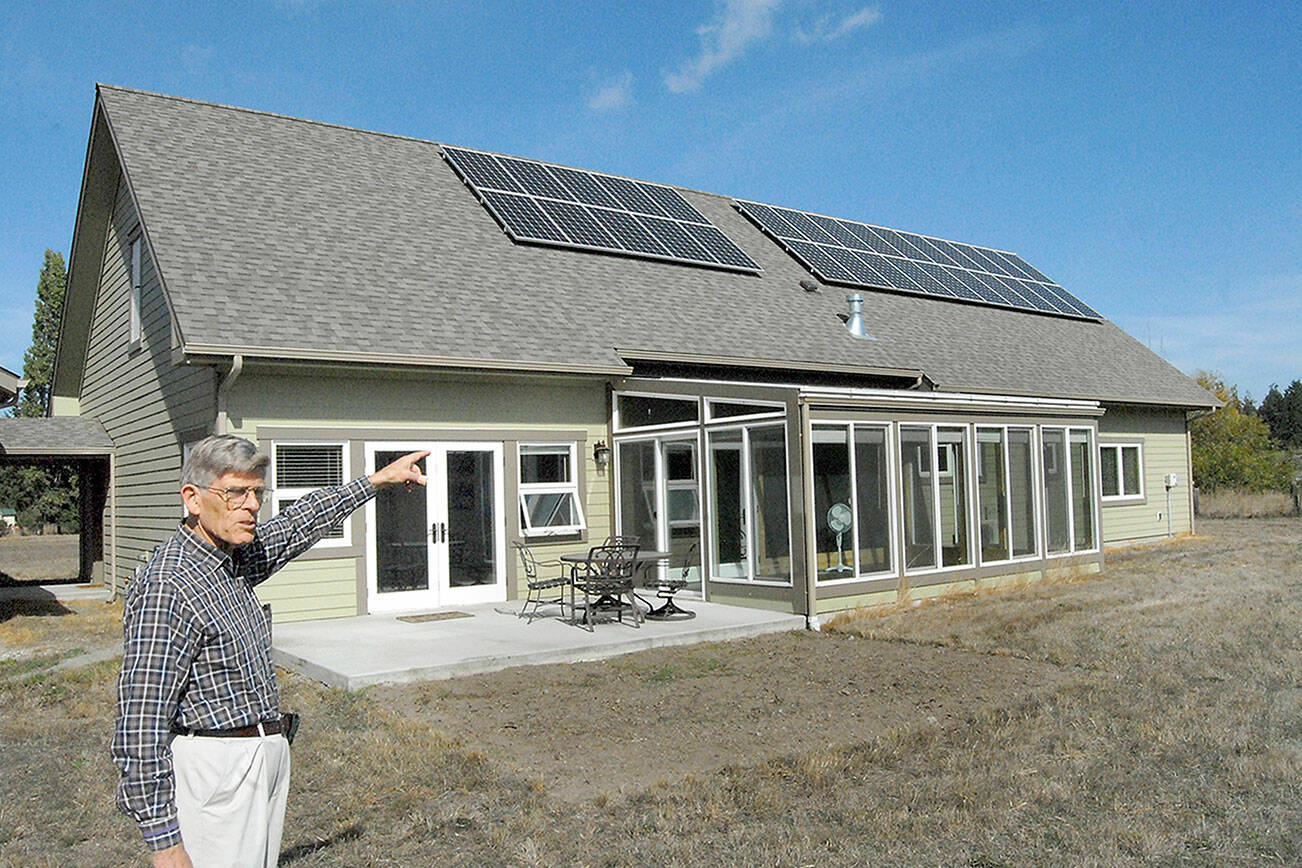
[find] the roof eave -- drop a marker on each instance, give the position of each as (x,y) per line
(208,353)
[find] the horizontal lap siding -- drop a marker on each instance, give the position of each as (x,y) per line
(308,590)
(440,407)
(1165,450)
(143,400)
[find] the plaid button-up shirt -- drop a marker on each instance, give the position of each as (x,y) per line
(197,647)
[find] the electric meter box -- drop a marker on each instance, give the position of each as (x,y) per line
(1171,480)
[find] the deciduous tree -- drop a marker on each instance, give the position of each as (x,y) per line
(1232,450)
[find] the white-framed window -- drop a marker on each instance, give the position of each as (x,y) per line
(133,335)
(299,468)
(549,489)
(1121,466)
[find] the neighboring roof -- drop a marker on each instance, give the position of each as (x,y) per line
(10,385)
(288,238)
(53,437)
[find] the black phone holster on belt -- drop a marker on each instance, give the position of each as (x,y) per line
(289,725)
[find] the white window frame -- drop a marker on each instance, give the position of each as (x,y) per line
(279,495)
(751,578)
(618,425)
(1074,547)
(1006,442)
(570,487)
(134,320)
(891,494)
(1122,496)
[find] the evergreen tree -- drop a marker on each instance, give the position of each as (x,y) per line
(38,362)
(1282,411)
(42,493)
(1231,450)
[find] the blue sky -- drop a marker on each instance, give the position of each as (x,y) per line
(1146,155)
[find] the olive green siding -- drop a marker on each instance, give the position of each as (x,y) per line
(269,405)
(145,403)
(1164,449)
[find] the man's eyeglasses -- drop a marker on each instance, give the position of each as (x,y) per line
(239,495)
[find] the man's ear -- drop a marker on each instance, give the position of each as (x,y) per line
(190,497)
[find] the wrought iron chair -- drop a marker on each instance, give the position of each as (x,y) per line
(540,589)
(668,586)
(605,579)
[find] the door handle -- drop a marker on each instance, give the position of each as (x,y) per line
(438,532)
(443,532)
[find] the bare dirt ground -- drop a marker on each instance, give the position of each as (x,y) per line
(51,557)
(620,726)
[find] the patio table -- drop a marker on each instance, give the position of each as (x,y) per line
(642,560)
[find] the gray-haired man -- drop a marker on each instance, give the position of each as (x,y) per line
(205,768)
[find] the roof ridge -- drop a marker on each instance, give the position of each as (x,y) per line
(219,105)
(437,142)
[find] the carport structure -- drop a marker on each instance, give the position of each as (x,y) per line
(84,444)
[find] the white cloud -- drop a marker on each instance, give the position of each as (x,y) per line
(615,94)
(829,29)
(741,23)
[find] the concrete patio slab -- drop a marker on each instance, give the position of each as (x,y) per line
(356,652)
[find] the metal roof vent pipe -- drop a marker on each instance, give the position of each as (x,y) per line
(855,321)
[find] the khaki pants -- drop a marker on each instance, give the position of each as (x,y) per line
(230,798)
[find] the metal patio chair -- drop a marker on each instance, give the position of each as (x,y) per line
(606,579)
(542,590)
(670,585)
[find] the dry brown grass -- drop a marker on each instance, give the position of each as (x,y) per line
(1245,504)
(1174,737)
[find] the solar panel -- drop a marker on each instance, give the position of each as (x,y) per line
(543,203)
(858,254)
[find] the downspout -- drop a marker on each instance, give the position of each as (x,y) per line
(222,424)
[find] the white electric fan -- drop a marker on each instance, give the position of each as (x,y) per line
(839,518)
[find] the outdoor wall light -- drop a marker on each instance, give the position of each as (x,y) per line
(601,454)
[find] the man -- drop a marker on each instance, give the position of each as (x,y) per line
(205,766)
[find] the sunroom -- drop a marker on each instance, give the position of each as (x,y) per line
(818,499)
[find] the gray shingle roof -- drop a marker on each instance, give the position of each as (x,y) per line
(53,436)
(330,242)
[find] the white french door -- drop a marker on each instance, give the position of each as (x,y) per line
(445,544)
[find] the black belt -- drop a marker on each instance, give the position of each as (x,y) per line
(267,727)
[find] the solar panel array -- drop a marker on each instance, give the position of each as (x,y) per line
(845,252)
(549,204)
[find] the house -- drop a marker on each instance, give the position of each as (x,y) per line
(811,414)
